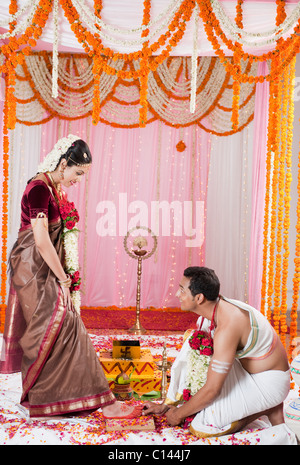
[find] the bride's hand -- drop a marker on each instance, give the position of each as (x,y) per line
(67,297)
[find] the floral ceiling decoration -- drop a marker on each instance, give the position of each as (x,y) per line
(168,93)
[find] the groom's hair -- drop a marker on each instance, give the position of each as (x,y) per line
(203,281)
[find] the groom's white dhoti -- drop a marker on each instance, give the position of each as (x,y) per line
(242,394)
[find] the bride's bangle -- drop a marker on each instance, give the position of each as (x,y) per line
(66,282)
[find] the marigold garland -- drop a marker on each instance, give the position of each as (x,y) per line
(13,58)
(296,278)
(96,72)
(283,53)
(67,88)
(277,206)
(237,62)
(144,67)
(277,199)
(4,208)
(270,201)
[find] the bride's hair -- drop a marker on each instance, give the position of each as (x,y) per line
(77,154)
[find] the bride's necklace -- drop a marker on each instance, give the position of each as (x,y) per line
(55,185)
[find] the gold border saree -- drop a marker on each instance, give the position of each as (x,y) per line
(47,340)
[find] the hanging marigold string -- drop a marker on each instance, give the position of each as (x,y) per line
(285,186)
(9,111)
(296,278)
(13,9)
(278,190)
(289,74)
(270,201)
(237,62)
(97,69)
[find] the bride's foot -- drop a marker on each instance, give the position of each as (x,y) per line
(120,410)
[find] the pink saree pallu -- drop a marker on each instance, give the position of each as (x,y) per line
(46,340)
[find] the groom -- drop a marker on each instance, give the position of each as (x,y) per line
(248,375)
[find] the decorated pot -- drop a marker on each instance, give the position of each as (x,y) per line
(295,369)
(292,416)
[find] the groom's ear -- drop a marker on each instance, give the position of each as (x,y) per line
(199,298)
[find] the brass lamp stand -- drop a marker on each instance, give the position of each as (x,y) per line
(140,254)
(164,366)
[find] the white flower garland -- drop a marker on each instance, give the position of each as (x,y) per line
(55,51)
(174,111)
(194,62)
(21,27)
(60,148)
(70,241)
(196,373)
(90,19)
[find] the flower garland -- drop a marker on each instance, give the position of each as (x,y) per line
(168,96)
(296,278)
(198,360)
(174,19)
(93,46)
(283,25)
(282,54)
(7,117)
(55,51)
(70,233)
(194,62)
(144,67)
(284,88)
(12,58)
(4,210)
(277,205)
(270,198)
(13,9)
(237,61)
(290,74)
(97,69)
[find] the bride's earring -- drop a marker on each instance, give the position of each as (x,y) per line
(61,174)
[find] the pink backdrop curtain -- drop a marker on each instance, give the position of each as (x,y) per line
(258,188)
(133,169)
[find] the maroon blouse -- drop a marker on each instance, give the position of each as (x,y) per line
(37,198)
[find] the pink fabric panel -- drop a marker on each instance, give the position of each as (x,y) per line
(131,170)
(258,188)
